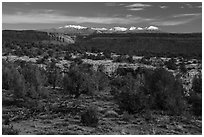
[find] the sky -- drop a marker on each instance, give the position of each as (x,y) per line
(180,17)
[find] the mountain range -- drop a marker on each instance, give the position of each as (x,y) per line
(77,29)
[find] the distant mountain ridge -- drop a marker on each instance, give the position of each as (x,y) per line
(77,29)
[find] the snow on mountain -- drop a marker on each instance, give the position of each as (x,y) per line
(111,29)
(119,28)
(75,26)
(99,29)
(133,28)
(139,28)
(77,29)
(152,28)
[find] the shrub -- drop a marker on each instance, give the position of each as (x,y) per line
(68,56)
(13,80)
(145,60)
(195,98)
(124,71)
(25,80)
(101,79)
(197,83)
(72,83)
(78,60)
(77,82)
(171,64)
(127,117)
(6,75)
(154,89)
(166,91)
(34,78)
(90,117)
(116,84)
(130,59)
(129,94)
(53,73)
(9,130)
(183,68)
(196,101)
(80,79)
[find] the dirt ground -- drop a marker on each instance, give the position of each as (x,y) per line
(61,115)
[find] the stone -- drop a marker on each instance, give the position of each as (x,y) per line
(111,114)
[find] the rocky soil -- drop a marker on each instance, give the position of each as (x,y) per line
(61,115)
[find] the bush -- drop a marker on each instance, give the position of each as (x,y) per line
(77,82)
(171,64)
(145,60)
(197,84)
(68,56)
(196,101)
(166,91)
(116,84)
(195,98)
(13,80)
(25,80)
(101,79)
(154,89)
(9,130)
(129,94)
(183,68)
(90,117)
(53,74)
(34,78)
(72,83)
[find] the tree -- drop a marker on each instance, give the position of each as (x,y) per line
(183,68)
(53,73)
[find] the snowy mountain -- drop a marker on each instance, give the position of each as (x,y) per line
(75,26)
(132,28)
(152,28)
(77,29)
(100,29)
(119,29)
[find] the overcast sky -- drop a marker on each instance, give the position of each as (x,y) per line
(169,17)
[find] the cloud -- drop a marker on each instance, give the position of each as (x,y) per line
(198,6)
(189,5)
(171,23)
(187,15)
(27,4)
(52,18)
(163,7)
(136,9)
(177,19)
(129,15)
(136,5)
(112,4)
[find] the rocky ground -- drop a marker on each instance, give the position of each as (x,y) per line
(61,114)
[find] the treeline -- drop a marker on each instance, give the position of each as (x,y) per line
(153,44)
(24,35)
(141,44)
(168,35)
